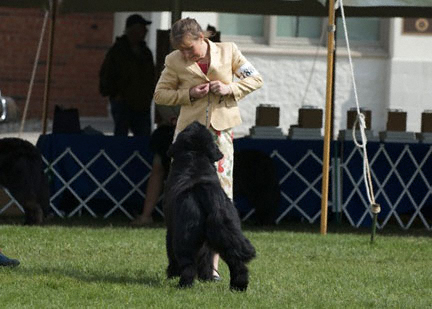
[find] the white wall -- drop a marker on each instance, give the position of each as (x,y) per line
(291,82)
(204,19)
(410,75)
(410,46)
(397,78)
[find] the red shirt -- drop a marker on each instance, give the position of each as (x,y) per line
(203,67)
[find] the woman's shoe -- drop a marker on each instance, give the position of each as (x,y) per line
(5,261)
(142,220)
(216,275)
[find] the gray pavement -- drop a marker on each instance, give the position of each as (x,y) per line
(33,128)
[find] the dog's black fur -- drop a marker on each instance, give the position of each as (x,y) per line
(200,217)
(21,172)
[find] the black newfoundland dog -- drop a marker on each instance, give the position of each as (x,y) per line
(200,217)
(21,172)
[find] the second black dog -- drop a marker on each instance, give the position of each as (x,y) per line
(21,172)
(200,217)
(255,178)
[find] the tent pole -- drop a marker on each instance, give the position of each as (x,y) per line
(328,117)
(48,67)
(175,11)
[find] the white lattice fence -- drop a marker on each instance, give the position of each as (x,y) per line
(298,167)
(96,184)
(307,175)
(11,201)
(402,182)
(402,176)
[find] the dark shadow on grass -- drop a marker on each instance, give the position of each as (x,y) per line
(148,279)
(343,227)
(87,221)
(288,224)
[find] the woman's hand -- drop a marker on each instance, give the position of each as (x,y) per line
(219,88)
(199,91)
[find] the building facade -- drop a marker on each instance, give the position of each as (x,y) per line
(392,64)
(391,57)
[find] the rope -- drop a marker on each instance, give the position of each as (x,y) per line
(362,125)
(23,120)
(309,82)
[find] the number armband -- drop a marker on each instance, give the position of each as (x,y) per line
(246,70)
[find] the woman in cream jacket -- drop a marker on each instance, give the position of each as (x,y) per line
(199,76)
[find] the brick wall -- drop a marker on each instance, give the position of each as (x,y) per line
(81,41)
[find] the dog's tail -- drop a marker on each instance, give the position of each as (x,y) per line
(224,232)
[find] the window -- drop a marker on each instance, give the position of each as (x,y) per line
(297,27)
(359,29)
(295,30)
(239,24)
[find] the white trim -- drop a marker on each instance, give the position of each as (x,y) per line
(261,49)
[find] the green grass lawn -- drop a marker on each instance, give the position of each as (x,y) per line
(98,265)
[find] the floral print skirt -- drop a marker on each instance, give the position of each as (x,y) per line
(224,140)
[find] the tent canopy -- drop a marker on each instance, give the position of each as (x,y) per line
(267,7)
(377,8)
(387,3)
(386,8)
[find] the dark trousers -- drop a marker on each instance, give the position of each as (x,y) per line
(126,119)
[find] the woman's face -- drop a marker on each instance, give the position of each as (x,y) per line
(193,49)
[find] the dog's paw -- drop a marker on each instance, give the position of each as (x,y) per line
(205,275)
(239,283)
(185,283)
(172,272)
(241,287)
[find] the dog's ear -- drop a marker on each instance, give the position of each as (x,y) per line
(214,153)
(206,143)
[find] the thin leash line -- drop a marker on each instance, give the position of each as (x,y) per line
(208,108)
(208,100)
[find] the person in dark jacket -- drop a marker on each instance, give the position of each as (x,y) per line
(127,77)
(160,140)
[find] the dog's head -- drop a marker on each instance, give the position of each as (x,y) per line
(195,137)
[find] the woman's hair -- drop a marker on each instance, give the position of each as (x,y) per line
(185,27)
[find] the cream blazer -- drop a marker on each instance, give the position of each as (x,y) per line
(221,112)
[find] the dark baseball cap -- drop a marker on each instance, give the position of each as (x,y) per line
(136,19)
